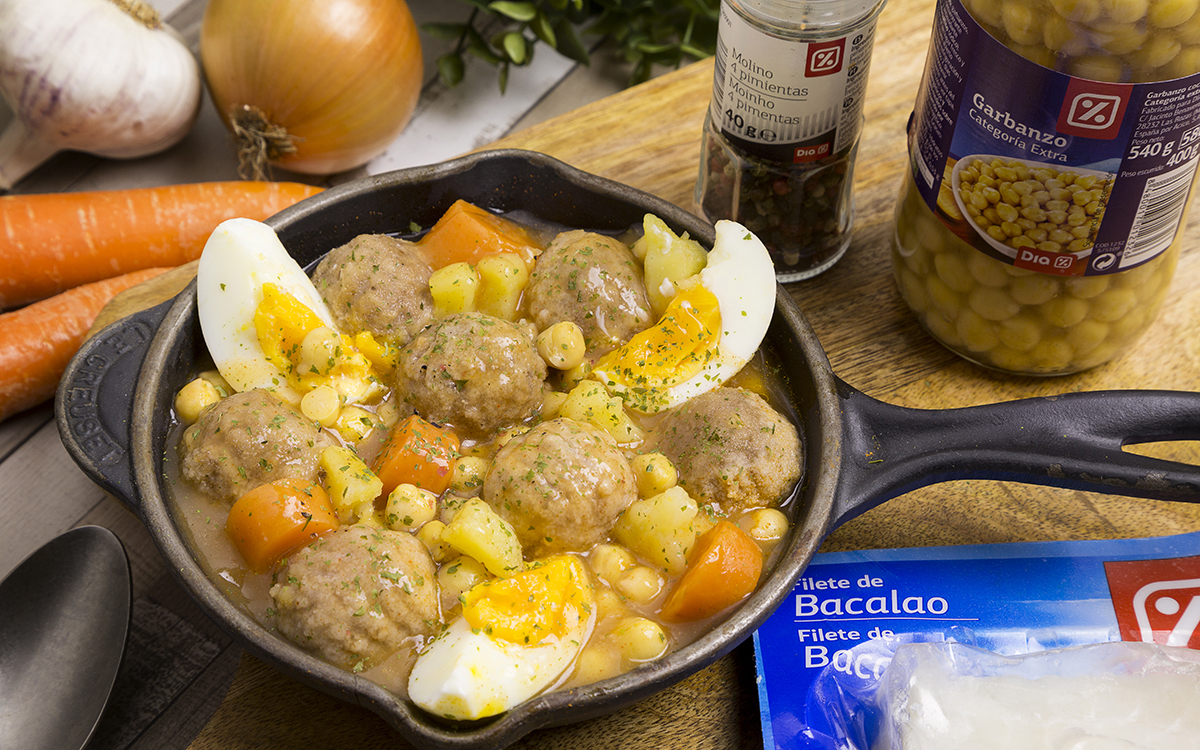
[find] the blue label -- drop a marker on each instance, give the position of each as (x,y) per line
(829,642)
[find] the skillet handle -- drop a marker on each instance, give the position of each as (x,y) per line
(1074,440)
(94,403)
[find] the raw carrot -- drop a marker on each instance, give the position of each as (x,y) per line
(466,233)
(273,519)
(418,453)
(56,241)
(723,569)
(37,341)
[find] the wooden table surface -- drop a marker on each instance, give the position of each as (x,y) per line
(649,137)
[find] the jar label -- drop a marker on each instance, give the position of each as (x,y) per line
(1119,157)
(787,100)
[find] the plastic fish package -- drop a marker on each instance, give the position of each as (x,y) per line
(1072,645)
(1106,696)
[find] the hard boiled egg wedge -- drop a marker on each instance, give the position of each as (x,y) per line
(516,638)
(709,331)
(267,327)
(240,257)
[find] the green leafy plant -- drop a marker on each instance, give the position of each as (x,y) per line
(646,32)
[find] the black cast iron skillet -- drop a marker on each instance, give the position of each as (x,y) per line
(114,412)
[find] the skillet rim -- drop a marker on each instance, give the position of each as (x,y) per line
(822,465)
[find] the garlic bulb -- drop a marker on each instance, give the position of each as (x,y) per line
(313,86)
(88,75)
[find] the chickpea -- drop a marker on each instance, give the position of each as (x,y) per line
(194,398)
(318,351)
(322,404)
(610,561)
(457,577)
(1029,211)
(639,584)
(467,475)
(562,345)
(409,507)
(639,639)
(218,382)
(1014,318)
(431,536)
(976,333)
(654,474)
(610,605)
(1124,11)
(595,663)
(764,524)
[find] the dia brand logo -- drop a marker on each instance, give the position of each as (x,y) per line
(824,58)
(1092,109)
(1157,601)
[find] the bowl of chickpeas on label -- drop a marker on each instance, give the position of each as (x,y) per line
(1015,203)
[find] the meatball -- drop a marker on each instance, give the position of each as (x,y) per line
(357,595)
(247,440)
(561,486)
(593,281)
(474,372)
(731,448)
(379,284)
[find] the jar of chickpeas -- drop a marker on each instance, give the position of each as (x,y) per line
(1053,150)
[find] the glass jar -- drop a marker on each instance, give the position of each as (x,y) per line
(1047,246)
(781,134)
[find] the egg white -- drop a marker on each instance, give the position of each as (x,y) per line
(741,275)
(240,256)
(468,674)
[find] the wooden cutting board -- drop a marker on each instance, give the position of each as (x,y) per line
(648,137)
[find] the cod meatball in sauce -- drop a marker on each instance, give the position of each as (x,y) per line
(471,467)
(379,284)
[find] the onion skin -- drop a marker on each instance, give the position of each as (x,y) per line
(341,77)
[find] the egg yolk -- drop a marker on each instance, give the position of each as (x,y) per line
(311,354)
(544,600)
(683,341)
(281,322)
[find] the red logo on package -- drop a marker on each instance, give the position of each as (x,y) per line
(824,58)
(1157,601)
(1092,109)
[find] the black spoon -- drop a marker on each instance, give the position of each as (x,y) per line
(64,621)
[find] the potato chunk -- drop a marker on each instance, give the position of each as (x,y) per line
(454,289)
(478,532)
(589,402)
(667,259)
(502,279)
(352,486)
(660,529)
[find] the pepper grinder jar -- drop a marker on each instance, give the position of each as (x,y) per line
(781,134)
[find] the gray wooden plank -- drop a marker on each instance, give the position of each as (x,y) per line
(15,430)
(42,494)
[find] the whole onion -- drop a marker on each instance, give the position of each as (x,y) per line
(312,86)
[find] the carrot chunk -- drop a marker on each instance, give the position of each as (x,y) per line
(419,453)
(466,233)
(273,519)
(723,568)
